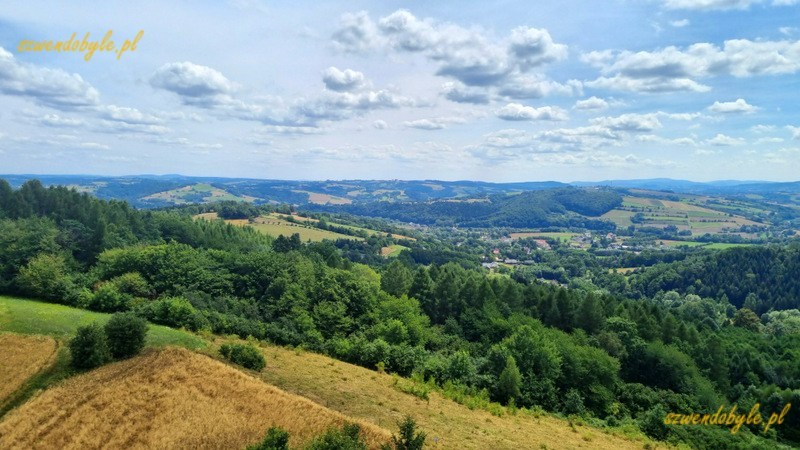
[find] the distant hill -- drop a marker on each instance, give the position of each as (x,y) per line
(568,206)
(155,191)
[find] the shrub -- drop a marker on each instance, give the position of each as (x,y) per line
(348,438)
(89,348)
(276,439)
(246,356)
(126,333)
(408,439)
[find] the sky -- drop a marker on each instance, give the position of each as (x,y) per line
(498,91)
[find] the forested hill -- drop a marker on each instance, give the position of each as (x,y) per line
(552,207)
(758,278)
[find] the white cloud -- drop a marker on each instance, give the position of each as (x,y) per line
(54,88)
(343,81)
(536,86)
(55,120)
(763,128)
(738,106)
(425,124)
(191,81)
(591,104)
(457,92)
(124,114)
(794,130)
(722,140)
(516,111)
(533,47)
(629,122)
(674,69)
(649,85)
(469,56)
(380,125)
(680,23)
(787,31)
(115,126)
(356,33)
(438,123)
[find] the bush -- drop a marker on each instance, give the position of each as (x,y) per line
(348,438)
(89,348)
(276,439)
(408,439)
(246,356)
(126,333)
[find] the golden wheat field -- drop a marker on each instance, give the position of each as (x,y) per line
(22,357)
(368,395)
(168,398)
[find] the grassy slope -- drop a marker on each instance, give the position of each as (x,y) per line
(33,317)
(195,401)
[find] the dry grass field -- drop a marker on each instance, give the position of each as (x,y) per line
(169,398)
(22,357)
(368,395)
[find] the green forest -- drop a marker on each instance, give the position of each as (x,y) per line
(689,335)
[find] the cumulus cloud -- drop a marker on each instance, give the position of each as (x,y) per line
(344,105)
(438,123)
(356,33)
(536,86)
(343,81)
(192,82)
(721,140)
(425,124)
(466,55)
(533,47)
(380,125)
(55,120)
(591,104)
(673,69)
(629,122)
(738,106)
(516,111)
(129,115)
(794,130)
(54,88)
(457,92)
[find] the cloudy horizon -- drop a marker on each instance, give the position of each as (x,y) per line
(685,89)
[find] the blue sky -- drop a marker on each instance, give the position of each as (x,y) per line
(497,91)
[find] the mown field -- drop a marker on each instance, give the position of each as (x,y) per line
(325,199)
(22,357)
(392,251)
(167,398)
